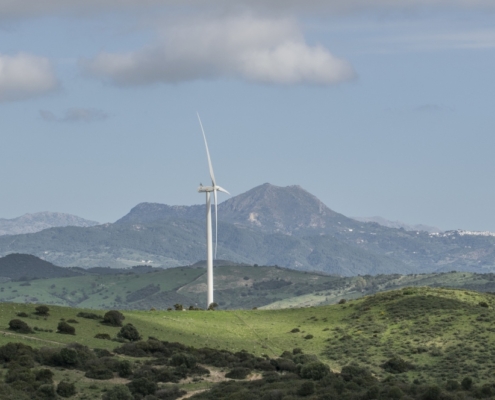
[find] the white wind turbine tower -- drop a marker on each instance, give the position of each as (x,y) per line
(209,247)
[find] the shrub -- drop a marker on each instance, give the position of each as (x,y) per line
(66,389)
(238,373)
(315,371)
(65,328)
(178,307)
(46,391)
(89,315)
(295,330)
(22,314)
(452,385)
(68,357)
(432,393)
(307,337)
(104,336)
(179,359)
(306,389)
(120,392)
(142,386)
(44,375)
(129,332)
(397,365)
(483,304)
(342,301)
(42,310)
(19,326)
(72,321)
(125,369)
(467,383)
(113,318)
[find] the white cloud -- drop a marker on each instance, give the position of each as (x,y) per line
(75,115)
(24,76)
(255,49)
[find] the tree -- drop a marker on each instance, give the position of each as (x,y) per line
(19,326)
(113,318)
(42,310)
(129,332)
(65,328)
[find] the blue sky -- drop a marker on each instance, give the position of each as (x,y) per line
(376,108)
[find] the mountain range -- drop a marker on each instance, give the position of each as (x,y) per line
(31,223)
(267,225)
(399,224)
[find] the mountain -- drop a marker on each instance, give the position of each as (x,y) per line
(267,225)
(289,210)
(398,224)
(25,266)
(30,223)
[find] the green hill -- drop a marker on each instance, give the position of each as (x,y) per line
(423,335)
(26,266)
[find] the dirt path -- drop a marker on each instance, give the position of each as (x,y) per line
(31,338)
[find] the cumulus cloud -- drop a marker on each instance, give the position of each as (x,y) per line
(254,49)
(75,115)
(23,76)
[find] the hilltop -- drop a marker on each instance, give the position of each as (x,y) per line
(26,267)
(30,223)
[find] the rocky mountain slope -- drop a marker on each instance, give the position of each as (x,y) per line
(30,223)
(268,225)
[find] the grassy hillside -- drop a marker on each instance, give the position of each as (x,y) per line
(236,287)
(443,333)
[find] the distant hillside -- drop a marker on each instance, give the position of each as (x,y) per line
(30,223)
(20,266)
(398,224)
(267,225)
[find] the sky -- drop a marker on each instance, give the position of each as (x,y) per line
(376,107)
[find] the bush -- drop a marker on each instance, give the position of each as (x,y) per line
(65,328)
(306,389)
(483,304)
(342,301)
(467,383)
(22,314)
(104,336)
(46,391)
(89,315)
(125,369)
(129,332)
(44,375)
(452,385)
(120,392)
(19,326)
(42,310)
(66,389)
(397,365)
(238,373)
(315,371)
(142,386)
(432,393)
(295,330)
(307,337)
(179,359)
(113,318)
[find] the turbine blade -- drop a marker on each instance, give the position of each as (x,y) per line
(207,153)
(221,189)
(216,223)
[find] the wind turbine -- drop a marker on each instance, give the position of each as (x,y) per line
(209,246)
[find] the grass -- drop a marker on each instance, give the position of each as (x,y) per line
(444,333)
